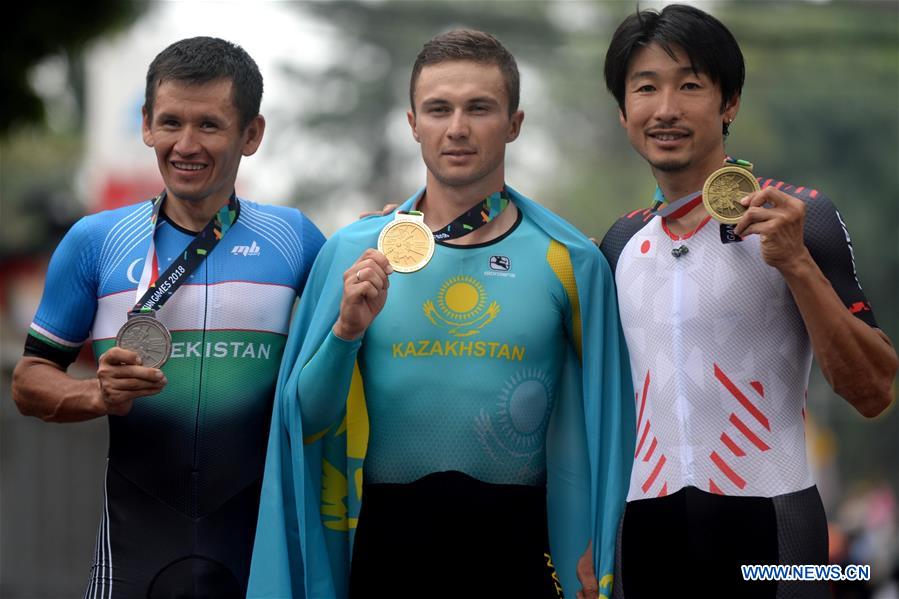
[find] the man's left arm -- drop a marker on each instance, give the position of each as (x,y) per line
(858,360)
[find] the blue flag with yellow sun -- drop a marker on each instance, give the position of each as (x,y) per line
(312,488)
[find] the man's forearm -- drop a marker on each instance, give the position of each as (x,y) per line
(42,390)
(325,381)
(858,361)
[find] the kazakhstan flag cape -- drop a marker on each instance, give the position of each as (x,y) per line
(311,492)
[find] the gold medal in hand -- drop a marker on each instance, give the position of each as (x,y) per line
(724,189)
(407,242)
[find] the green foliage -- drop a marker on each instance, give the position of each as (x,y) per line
(38,168)
(34,31)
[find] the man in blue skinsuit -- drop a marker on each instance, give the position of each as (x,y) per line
(187,438)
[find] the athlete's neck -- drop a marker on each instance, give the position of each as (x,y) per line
(442,205)
(680,183)
(193,215)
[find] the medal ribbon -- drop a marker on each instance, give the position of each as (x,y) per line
(476,217)
(680,206)
(683,205)
(152,291)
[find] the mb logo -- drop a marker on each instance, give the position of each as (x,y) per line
(246,250)
(500,263)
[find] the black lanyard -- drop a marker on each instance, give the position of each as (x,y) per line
(476,217)
(161,288)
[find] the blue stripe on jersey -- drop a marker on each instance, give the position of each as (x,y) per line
(129,232)
(275,230)
(84,268)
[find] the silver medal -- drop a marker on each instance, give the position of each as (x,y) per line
(147,337)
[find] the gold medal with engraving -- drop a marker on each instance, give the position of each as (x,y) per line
(724,189)
(407,242)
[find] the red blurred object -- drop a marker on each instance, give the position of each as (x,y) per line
(116,192)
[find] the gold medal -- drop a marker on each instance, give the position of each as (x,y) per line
(724,189)
(407,242)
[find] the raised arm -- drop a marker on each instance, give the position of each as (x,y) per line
(857,359)
(324,382)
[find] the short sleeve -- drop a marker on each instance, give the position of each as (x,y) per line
(69,303)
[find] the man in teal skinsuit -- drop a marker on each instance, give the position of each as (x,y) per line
(490,454)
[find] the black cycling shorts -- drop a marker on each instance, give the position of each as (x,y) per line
(451,535)
(692,543)
(148,550)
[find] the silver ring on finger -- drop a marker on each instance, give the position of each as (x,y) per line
(358,280)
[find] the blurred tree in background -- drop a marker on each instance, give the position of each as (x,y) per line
(43,46)
(33,32)
(356,120)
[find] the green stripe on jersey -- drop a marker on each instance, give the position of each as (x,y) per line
(225,369)
(52,343)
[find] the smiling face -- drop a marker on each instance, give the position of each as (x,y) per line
(674,116)
(196,134)
(462,121)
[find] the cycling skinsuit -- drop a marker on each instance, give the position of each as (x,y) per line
(461,368)
(720,359)
(185,466)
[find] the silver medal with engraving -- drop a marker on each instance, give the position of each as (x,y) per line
(146,336)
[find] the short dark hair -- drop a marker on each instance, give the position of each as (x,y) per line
(709,45)
(469,44)
(200,60)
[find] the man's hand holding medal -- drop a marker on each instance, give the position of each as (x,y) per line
(779,220)
(365,286)
(405,245)
(122,379)
(732,196)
